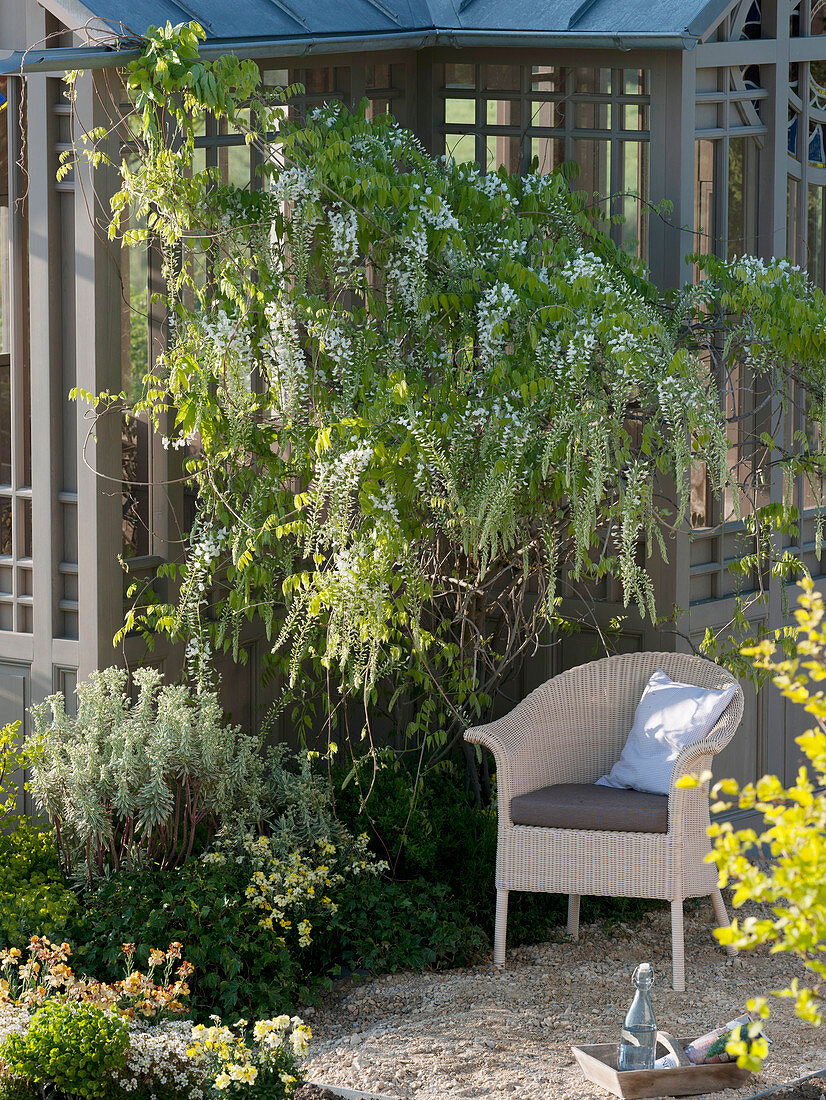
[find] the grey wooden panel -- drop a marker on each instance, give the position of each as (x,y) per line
(13,709)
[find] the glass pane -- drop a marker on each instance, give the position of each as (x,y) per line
(460,112)
(817,145)
(234,165)
(460,76)
(739,199)
(818,17)
(278,78)
(460,148)
(593,158)
(792,236)
(634,235)
(700,513)
(753,24)
(794,21)
(793,139)
(378,106)
(546,78)
(549,153)
(135,493)
(592,80)
(27,529)
(377,77)
(704,221)
(4,269)
(636,81)
(503,112)
(502,77)
(815,265)
(550,115)
(593,116)
(504,152)
(812,484)
(5,527)
(635,117)
(5,422)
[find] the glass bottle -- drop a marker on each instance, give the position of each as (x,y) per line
(639,1032)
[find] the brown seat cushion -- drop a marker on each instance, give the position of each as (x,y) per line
(585,806)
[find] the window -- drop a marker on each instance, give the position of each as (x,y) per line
(598,118)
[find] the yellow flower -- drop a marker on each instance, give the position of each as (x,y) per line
(222,1081)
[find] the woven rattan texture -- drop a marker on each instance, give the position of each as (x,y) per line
(572,729)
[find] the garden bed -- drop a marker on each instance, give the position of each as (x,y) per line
(481,1033)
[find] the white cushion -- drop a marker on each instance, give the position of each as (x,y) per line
(668,717)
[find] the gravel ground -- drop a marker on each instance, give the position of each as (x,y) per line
(479,1032)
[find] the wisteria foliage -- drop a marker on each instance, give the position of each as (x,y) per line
(417,396)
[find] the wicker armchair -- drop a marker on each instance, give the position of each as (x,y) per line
(571,730)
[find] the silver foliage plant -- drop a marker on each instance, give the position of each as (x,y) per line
(126,783)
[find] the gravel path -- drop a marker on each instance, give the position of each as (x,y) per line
(507,1035)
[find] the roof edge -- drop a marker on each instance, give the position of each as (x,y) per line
(98,57)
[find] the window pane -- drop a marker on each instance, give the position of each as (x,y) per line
(593,80)
(503,112)
(704,221)
(502,77)
(635,179)
(503,152)
(548,79)
(460,76)
(792,236)
(548,152)
(818,17)
(5,527)
(5,422)
(636,81)
(549,115)
(593,158)
(4,269)
(742,197)
(593,116)
(815,222)
(460,147)
(460,112)
(27,529)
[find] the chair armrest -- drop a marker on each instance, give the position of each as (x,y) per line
(503,737)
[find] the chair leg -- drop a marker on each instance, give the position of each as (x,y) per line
(677,945)
(573,916)
(721,916)
(501,931)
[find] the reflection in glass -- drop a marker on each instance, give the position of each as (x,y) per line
(742,196)
(503,152)
(503,112)
(548,152)
(460,147)
(815,259)
(460,112)
(460,76)
(5,421)
(5,527)
(704,227)
(503,78)
(793,249)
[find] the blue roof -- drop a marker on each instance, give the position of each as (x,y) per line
(257,19)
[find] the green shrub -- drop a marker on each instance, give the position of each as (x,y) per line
(384,926)
(446,839)
(34,899)
(72,1045)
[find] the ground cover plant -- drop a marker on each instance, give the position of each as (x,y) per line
(76,1037)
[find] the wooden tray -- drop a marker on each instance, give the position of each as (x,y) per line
(599,1064)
